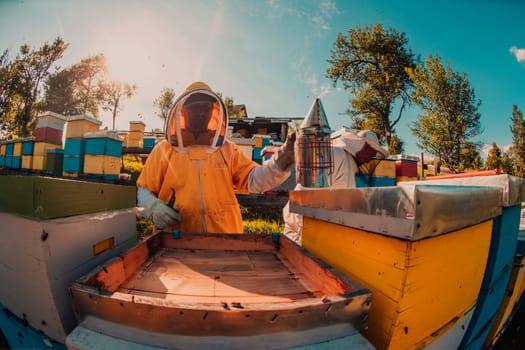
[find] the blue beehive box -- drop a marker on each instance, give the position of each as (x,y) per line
(8,161)
(363,180)
(28,147)
(149,142)
(16,162)
(9,149)
(74,147)
(103,146)
(73,164)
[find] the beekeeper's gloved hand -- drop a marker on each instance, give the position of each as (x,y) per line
(160,213)
(285,156)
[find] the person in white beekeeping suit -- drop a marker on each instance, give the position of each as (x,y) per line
(351,151)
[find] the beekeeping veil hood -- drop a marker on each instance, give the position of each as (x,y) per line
(198,117)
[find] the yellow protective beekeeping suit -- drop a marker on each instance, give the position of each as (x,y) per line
(199,166)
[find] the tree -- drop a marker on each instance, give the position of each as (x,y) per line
(20,85)
(506,163)
(517,150)
(113,92)
(471,158)
(372,63)
(60,95)
(164,103)
(493,158)
(450,112)
(91,77)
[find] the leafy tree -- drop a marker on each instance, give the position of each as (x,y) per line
(372,63)
(113,93)
(493,158)
(20,82)
(60,94)
(471,158)
(517,150)
(91,76)
(450,112)
(506,163)
(478,163)
(164,103)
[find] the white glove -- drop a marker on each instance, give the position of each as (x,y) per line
(160,213)
(284,157)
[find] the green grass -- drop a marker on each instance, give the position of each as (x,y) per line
(256,219)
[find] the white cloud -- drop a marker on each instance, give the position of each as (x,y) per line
(519,53)
(318,14)
(485,149)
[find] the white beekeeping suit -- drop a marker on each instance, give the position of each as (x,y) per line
(350,151)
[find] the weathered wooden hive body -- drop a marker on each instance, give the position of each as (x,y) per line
(218,291)
(429,251)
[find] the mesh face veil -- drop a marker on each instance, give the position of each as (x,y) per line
(197,118)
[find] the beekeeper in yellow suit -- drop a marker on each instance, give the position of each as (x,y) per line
(197,168)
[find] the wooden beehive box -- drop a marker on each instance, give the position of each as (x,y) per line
(422,250)
(78,125)
(48,198)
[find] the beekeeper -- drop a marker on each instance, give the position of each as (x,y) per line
(351,152)
(189,178)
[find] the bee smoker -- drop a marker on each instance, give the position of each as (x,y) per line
(314,161)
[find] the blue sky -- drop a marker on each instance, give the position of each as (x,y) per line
(272,55)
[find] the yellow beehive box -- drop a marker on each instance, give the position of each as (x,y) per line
(78,125)
(2,149)
(421,256)
(40,148)
(135,139)
(27,162)
(405,178)
(39,162)
(381,167)
(93,164)
(17,148)
(137,126)
(101,164)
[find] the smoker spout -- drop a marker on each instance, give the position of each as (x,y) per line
(316,117)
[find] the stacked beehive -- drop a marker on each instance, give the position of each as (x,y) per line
(48,135)
(136,134)
(103,152)
(8,153)
(28,146)
(77,126)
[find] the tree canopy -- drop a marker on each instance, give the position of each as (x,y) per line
(20,83)
(493,158)
(164,103)
(372,63)
(114,92)
(450,117)
(517,150)
(79,89)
